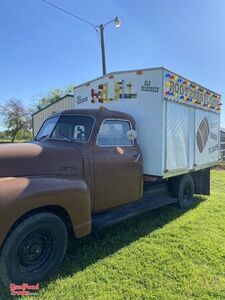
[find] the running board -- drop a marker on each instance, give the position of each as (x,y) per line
(130,210)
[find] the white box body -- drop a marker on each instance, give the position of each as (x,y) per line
(177,120)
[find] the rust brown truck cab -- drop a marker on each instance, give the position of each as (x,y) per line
(83,170)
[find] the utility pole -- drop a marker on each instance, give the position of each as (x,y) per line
(101,27)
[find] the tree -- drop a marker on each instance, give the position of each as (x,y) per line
(70,89)
(3,135)
(24,135)
(15,117)
(53,96)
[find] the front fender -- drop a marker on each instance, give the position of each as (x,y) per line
(23,194)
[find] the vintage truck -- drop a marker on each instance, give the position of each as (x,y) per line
(93,166)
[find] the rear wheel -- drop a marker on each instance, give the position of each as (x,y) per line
(184,191)
(34,250)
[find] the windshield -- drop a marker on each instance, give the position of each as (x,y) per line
(75,128)
(47,128)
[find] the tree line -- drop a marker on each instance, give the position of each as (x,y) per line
(16,118)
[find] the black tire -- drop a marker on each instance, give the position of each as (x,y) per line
(34,249)
(184,191)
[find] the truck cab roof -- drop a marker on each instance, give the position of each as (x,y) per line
(98,114)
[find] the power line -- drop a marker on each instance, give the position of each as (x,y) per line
(75,16)
(97,33)
(69,13)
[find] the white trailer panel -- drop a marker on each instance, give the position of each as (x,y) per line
(177,134)
(177,120)
(207,137)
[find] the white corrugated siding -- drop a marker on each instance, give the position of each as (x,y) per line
(63,104)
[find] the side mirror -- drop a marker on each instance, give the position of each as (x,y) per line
(131,134)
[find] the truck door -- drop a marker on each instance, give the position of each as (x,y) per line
(117,165)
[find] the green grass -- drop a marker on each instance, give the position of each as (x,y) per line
(164,254)
(3,141)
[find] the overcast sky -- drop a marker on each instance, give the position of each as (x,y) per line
(43,48)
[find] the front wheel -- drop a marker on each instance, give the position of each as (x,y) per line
(34,249)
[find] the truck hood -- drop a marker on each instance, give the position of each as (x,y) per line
(40,158)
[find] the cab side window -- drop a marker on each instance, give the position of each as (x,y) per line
(114,133)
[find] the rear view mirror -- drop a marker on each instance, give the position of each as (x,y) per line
(131,134)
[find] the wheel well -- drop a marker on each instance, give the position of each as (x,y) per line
(55,209)
(200,178)
(173,183)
